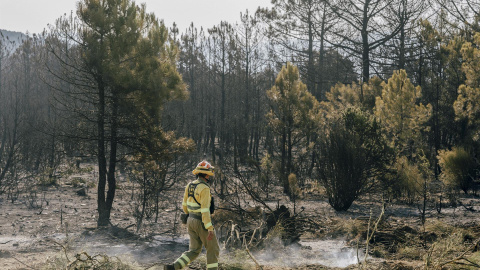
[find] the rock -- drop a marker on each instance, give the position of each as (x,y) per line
(82,192)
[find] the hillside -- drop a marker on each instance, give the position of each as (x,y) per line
(12,39)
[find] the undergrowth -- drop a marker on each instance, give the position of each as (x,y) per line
(84,261)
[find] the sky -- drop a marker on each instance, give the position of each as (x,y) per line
(34,15)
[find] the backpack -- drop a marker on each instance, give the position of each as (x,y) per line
(191,193)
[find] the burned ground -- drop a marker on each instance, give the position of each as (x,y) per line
(49,226)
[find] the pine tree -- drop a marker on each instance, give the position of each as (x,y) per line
(397,110)
(467,105)
(293,116)
(122,70)
(344,96)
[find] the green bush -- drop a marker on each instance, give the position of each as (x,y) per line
(458,168)
(351,157)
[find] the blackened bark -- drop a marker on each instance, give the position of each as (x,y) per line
(401,60)
(283,172)
(112,182)
(321,60)
(311,67)
(365,47)
(103,213)
(12,149)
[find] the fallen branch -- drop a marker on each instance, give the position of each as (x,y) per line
(85,261)
(129,226)
(234,235)
(466,207)
(250,254)
(462,257)
(63,247)
(23,263)
(78,259)
(370,236)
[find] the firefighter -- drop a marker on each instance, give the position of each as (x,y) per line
(197,204)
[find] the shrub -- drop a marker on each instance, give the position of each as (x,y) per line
(458,168)
(351,157)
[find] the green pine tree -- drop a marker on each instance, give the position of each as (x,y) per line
(467,105)
(401,117)
(293,116)
(127,57)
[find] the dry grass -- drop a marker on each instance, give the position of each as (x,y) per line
(411,253)
(454,251)
(237,260)
(440,228)
(349,229)
(442,246)
(84,260)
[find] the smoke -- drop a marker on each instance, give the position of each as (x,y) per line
(331,253)
(163,249)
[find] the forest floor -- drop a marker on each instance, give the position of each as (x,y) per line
(51,227)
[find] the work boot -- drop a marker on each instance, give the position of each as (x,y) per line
(168,267)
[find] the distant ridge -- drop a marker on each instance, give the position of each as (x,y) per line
(12,35)
(12,39)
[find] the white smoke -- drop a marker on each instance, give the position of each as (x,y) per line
(331,253)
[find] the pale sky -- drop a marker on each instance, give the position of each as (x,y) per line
(34,15)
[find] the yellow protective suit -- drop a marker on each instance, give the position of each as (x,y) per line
(199,223)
